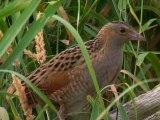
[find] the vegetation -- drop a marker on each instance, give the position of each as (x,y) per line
(70,21)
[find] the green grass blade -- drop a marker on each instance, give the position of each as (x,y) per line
(141,58)
(83,49)
(106,111)
(41,113)
(34,88)
(85,54)
(3,25)
(147,24)
(155,63)
(116,9)
(34,29)
(13,7)
(133,13)
(10,35)
(122,112)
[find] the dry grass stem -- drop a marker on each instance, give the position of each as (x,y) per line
(16,62)
(39,40)
(1,34)
(40,54)
(20,91)
(38,16)
(1,59)
(30,54)
(40,50)
(9,51)
(65,16)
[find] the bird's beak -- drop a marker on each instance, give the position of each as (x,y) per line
(136,36)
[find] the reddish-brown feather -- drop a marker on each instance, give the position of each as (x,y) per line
(56,81)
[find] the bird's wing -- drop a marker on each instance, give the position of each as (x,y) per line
(54,74)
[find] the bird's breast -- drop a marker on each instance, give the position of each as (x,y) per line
(108,67)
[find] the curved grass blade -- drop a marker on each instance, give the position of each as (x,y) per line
(106,111)
(86,56)
(35,89)
(34,29)
(10,35)
(14,7)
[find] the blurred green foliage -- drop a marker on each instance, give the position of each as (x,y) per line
(19,26)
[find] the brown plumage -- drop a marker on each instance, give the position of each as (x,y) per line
(65,79)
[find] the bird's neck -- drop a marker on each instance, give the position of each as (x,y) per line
(98,44)
(101,44)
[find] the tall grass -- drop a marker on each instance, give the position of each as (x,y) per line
(19,27)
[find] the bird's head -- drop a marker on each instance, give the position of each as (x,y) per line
(117,33)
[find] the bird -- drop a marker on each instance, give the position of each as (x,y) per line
(66,80)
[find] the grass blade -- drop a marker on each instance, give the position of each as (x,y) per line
(13,7)
(10,35)
(50,10)
(85,54)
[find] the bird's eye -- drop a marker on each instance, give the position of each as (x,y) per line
(122,30)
